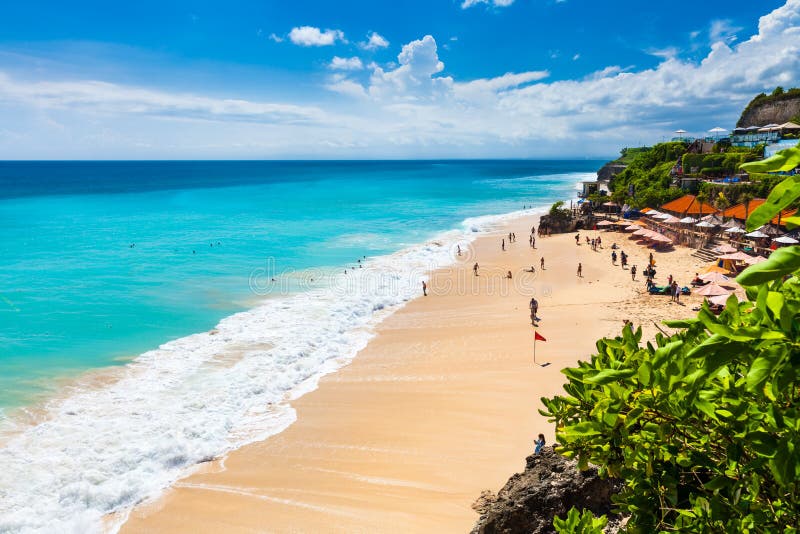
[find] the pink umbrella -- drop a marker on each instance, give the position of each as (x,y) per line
(604,223)
(720,300)
(737,256)
(752,260)
(642,231)
(725,249)
(716,278)
(712,290)
(633,227)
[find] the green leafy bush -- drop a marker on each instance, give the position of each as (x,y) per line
(580,523)
(703,425)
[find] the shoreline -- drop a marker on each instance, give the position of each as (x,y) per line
(322,472)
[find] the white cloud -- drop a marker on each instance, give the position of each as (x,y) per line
(576,57)
(723,30)
(345,63)
(375,41)
(311,36)
(498,3)
(411,109)
(276,38)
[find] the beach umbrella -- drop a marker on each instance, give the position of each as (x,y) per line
(672,220)
(653,213)
(757,234)
(734,230)
(714,268)
(662,239)
(721,300)
(633,227)
(704,224)
(736,256)
(622,223)
(725,249)
(604,223)
(718,130)
(641,231)
(717,278)
(752,260)
(688,220)
(662,216)
(712,290)
(785,239)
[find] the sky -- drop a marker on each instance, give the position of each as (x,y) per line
(314,79)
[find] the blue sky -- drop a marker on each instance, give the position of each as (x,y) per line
(321,79)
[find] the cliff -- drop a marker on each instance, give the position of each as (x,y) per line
(776,108)
(609,170)
(550,486)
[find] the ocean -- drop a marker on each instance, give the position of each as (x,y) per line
(158,314)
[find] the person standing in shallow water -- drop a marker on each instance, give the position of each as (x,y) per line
(424,289)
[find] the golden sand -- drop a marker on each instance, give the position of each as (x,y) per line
(440,405)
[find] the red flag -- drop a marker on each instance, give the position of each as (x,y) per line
(537,336)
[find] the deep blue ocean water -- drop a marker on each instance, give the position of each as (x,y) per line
(127,267)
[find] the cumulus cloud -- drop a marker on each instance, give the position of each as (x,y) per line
(311,36)
(723,30)
(414,109)
(346,63)
(498,3)
(375,41)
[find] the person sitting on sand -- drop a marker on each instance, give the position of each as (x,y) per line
(531,270)
(508,275)
(697,281)
(539,444)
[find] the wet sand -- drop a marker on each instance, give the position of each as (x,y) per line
(440,405)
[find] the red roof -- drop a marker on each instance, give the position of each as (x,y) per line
(738,211)
(688,205)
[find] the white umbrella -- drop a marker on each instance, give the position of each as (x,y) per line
(662,216)
(671,220)
(680,131)
(756,234)
(734,230)
(717,130)
(704,224)
(735,256)
(688,220)
(786,240)
(653,213)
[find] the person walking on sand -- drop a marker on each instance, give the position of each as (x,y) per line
(424,289)
(633,273)
(503,244)
(458,248)
(578,239)
(539,444)
(475,268)
(613,257)
(541,263)
(533,242)
(534,306)
(580,271)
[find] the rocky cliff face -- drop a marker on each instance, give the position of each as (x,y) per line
(550,486)
(770,112)
(609,170)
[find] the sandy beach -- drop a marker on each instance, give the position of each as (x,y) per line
(440,405)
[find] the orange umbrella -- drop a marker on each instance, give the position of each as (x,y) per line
(714,268)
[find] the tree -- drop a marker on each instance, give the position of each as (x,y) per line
(702,198)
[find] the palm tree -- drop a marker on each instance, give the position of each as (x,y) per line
(702,198)
(746,198)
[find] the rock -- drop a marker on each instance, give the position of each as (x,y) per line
(550,485)
(770,110)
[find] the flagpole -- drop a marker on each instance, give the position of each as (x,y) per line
(534,346)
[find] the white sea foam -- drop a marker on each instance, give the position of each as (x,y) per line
(105,449)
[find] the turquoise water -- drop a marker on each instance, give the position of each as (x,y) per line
(75,295)
(104,264)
